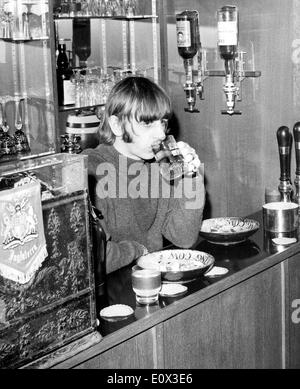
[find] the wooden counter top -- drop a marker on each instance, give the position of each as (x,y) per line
(244,260)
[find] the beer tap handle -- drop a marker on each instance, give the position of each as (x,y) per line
(290,154)
(296,131)
(284,144)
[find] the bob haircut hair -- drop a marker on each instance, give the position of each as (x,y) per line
(134,97)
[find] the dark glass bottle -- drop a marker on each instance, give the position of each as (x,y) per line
(65,86)
(99,254)
(82,39)
(188,35)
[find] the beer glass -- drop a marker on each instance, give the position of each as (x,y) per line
(170,159)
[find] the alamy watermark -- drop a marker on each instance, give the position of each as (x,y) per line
(296,313)
(140,180)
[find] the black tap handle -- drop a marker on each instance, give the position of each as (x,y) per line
(296,131)
(289,165)
(284,139)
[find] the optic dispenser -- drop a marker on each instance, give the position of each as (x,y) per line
(228,48)
(188,44)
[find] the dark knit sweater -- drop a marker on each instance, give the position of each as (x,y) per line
(136,214)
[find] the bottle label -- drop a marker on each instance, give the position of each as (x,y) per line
(183,29)
(69,92)
(227,33)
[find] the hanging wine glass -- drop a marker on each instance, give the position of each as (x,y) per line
(20,137)
(6,19)
(7,141)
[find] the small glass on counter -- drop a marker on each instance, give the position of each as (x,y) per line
(146,285)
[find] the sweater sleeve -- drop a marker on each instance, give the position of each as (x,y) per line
(185,212)
(120,254)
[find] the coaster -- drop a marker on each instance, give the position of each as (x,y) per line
(116,312)
(217,271)
(284,241)
(172,289)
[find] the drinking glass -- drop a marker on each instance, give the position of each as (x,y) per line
(27,15)
(118,8)
(146,285)
(272,195)
(17,22)
(170,159)
(92,7)
(106,84)
(130,7)
(6,19)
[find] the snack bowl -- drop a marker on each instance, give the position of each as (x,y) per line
(228,230)
(178,265)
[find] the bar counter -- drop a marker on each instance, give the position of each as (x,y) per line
(244,319)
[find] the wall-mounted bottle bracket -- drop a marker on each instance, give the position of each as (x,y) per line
(189,46)
(233,74)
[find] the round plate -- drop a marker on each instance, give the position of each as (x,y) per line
(178,265)
(228,230)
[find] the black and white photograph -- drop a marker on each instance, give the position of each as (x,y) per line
(150,188)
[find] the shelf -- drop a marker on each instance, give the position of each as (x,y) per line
(14,158)
(18,40)
(73,108)
(135,17)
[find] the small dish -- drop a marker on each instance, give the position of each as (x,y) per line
(172,290)
(284,241)
(217,271)
(116,312)
(228,230)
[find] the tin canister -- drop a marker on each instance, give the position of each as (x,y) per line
(86,126)
(280,216)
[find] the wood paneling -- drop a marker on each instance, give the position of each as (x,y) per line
(141,352)
(240,152)
(248,324)
(293,312)
(239,328)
